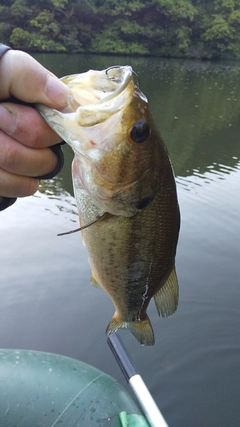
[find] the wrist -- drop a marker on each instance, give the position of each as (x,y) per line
(6,202)
(3,49)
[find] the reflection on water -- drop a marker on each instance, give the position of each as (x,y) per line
(193,370)
(213,173)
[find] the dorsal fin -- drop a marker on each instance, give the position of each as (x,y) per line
(166,299)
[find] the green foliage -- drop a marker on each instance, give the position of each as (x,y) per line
(5,31)
(220,28)
(122,8)
(59,3)
(106,43)
(176,9)
(20,37)
(42,42)
(45,24)
(5,13)
(20,9)
(234,19)
(188,28)
(183,36)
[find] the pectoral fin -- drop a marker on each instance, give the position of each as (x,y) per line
(142,330)
(166,299)
(84,226)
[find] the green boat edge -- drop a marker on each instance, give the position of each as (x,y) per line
(39,389)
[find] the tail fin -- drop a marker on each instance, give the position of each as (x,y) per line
(142,330)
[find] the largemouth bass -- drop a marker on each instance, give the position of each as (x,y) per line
(125,193)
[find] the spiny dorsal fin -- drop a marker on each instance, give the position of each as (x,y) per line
(166,299)
(142,330)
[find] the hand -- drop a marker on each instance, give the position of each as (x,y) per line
(24,135)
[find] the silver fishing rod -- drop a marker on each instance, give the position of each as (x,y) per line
(145,399)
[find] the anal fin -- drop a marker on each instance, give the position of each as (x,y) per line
(166,299)
(142,329)
(94,282)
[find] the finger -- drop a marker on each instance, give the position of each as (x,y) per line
(16,185)
(26,125)
(23,77)
(21,160)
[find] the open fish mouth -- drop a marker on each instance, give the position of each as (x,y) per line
(102,86)
(95,97)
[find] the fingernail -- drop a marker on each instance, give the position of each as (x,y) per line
(7,120)
(56,91)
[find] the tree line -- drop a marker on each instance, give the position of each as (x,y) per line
(171,28)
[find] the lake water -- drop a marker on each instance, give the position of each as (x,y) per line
(193,370)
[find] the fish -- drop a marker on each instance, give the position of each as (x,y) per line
(125,192)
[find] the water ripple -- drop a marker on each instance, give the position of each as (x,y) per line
(213,173)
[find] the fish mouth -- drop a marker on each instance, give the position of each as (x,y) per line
(96,95)
(96,101)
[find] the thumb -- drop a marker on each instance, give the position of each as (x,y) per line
(26,79)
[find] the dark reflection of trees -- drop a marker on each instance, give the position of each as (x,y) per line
(197,109)
(61,185)
(66,173)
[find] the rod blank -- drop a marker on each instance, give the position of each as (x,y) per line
(136,382)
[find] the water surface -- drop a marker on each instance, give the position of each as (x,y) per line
(193,371)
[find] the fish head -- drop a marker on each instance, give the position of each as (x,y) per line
(109,126)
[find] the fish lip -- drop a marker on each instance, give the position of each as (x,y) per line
(126,77)
(121,75)
(126,66)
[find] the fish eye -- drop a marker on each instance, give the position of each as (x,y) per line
(140,131)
